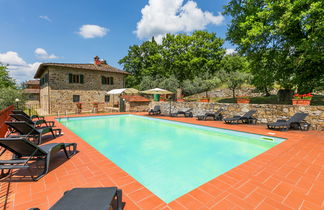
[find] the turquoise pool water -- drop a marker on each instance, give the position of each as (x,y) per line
(167,157)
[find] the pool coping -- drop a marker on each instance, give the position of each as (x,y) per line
(180,122)
(268,179)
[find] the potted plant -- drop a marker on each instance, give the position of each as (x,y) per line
(95,105)
(204,99)
(243,99)
(162,98)
(302,100)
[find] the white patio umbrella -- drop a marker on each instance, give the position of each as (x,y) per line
(156,91)
(122,90)
(159,91)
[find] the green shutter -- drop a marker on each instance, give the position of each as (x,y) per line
(81,79)
(70,78)
(111,80)
(103,80)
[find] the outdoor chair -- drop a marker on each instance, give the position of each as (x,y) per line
(296,121)
(36,123)
(212,115)
(185,113)
(246,118)
(155,111)
(26,130)
(26,115)
(25,152)
(90,198)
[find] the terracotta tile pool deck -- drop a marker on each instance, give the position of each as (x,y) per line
(288,176)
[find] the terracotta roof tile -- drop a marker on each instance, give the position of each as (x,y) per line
(135,98)
(101,67)
(31,91)
(32,82)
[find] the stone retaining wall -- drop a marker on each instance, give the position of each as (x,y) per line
(265,112)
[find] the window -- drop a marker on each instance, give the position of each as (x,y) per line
(43,80)
(107,98)
(107,80)
(76,78)
(76,98)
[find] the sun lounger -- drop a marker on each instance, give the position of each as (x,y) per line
(298,120)
(212,115)
(27,130)
(90,198)
(26,152)
(155,111)
(36,123)
(246,118)
(185,113)
(26,115)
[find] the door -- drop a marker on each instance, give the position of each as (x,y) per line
(122,105)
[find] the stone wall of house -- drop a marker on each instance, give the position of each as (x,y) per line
(44,98)
(92,90)
(265,112)
(137,106)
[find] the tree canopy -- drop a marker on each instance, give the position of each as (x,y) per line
(182,56)
(8,89)
(5,80)
(283,39)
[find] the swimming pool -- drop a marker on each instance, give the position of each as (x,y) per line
(167,157)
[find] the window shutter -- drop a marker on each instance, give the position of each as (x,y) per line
(81,79)
(70,78)
(103,81)
(111,80)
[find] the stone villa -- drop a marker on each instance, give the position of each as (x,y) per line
(31,91)
(63,86)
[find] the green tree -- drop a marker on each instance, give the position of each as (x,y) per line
(182,56)
(204,83)
(235,71)
(5,79)
(288,34)
(8,96)
(190,56)
(8,89)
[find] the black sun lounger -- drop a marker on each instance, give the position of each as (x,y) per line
(36,123)
(297,121)
(246,118)
(185,113)
(101,198)
(27,130)
(212,115)
(26,115)
(25,151)
(155,111)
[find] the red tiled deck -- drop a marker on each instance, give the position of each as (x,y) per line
(288,176)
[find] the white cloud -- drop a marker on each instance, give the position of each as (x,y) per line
(45,18)
(230,51)
(42,54)
(172,16)
(92,31)
(18,68)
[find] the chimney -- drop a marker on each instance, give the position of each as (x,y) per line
(97,60)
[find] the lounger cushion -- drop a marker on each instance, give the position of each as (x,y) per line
(86,198)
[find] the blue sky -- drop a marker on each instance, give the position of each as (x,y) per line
(67,31)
